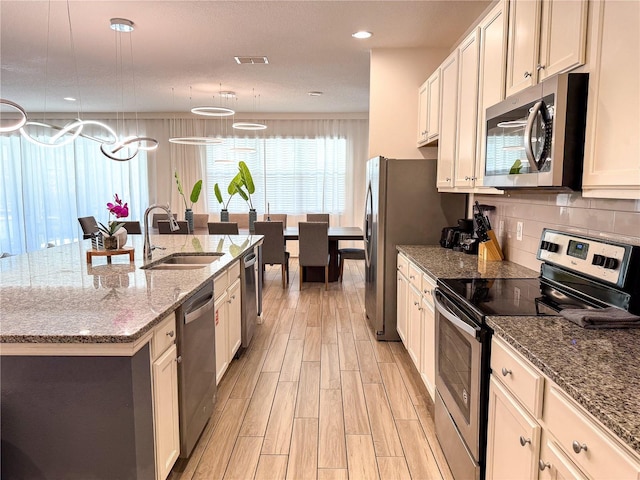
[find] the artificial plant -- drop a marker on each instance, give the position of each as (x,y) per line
(195,191)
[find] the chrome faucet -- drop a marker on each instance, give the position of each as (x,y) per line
(173,225)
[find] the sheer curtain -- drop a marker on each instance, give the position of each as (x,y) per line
(43,190)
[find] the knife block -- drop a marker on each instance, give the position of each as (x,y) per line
(490,251)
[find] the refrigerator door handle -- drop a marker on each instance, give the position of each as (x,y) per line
(368,210)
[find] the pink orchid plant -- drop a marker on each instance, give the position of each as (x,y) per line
(119,210)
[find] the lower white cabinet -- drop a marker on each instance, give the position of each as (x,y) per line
(235,318)
(401,306)
(222,327)
(428,361)
(165,397)
(228,317)
(414,326)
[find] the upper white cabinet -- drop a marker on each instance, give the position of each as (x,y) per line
(448,121)
(545,38)
(491,78)
(423,95)
(429,109)
(612,144)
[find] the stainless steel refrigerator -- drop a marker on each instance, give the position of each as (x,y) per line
(403,207)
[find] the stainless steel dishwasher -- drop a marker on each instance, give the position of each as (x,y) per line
(196,366)
(249,287)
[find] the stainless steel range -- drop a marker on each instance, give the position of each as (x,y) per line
(577,273)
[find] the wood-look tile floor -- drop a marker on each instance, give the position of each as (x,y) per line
(316,396)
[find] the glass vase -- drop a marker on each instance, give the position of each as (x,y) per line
(110,242)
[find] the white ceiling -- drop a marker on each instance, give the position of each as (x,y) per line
(188,46)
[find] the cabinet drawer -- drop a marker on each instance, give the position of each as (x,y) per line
(427,288)
(403,265)
(415,276)
(164,335)
(524,381)
(599,454)
(220,283)
(234,272)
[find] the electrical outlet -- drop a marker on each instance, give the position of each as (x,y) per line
(500,228)
(519,228)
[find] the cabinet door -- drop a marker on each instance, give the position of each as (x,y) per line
(554,465)
(423,100)
(428,362)
(513,440)
(234,316)
(491,81)
(612,144)
(563,36)
(222,335)
(448,120)
(165,398)
(414,326)
(522,49)
(467,110)
(433,106)
(402,300)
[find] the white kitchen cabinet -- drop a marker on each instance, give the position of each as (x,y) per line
(428,363)
(513,438)
(554,464)
(228,317)
(467,110)
(491,80)
(235,317)
(222,335)
(429,109)
(414,326)
(401,307)
(448,122)
(545,38)
(165,397)
(612,144)
(423,100)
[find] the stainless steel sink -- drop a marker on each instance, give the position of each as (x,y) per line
(184,262)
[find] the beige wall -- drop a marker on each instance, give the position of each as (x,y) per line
(617,220)
(395,76)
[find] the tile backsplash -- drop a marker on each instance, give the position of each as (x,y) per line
(617,220)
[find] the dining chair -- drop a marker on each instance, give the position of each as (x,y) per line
(132,227)
(313,243)
(273,247)
(200,220)
(277,217)
(164,228)
(89,226)
(160,216)
(349,254)
(242,219)
(222,228)
(318,217)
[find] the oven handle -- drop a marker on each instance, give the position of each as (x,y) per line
(465,327)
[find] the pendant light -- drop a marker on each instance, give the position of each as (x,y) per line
(198,141)
(250,125)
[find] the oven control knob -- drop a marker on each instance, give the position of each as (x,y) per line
(553,247)
(611,263)
(598,260)
(544,245)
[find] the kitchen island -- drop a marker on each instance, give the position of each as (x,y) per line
(596,368)
(77,344)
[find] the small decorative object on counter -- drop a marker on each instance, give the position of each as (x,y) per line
(114,235)
(195,195)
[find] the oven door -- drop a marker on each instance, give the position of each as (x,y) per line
(459,360)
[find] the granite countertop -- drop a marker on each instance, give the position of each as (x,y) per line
(600,369)
(55,296)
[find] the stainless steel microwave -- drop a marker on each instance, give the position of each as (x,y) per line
(535,138)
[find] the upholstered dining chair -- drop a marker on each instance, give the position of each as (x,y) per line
(89,226)
(242,219)
(165,229)
(318,217)
(313,243)
(160,216)
(200,220)
(277,217)
(273,248)
(349,254)
(222,228)
(132,227)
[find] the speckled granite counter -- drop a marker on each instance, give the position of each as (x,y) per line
(54,296)
(600,369)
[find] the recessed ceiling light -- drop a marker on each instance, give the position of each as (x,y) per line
(314,94)
(362,34)
(121,25)
(69,99)
(240,60)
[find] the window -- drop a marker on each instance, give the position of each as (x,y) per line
(292,175)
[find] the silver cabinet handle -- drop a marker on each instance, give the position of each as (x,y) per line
(179,359)
(505,372)
(527,74)
(412,277)
(170,334)
(540,67)
(524,441)
(578,447)
(542,465)
(415,303)
(467,178)
(447,179)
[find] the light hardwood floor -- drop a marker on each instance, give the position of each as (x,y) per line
(316,396)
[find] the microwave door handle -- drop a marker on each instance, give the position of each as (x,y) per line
(465,327)
(528,131)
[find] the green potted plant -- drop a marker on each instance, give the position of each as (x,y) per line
(195,195)
(232,189)
(114,235)
(245,186)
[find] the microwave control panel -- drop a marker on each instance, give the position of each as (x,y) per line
(596,258)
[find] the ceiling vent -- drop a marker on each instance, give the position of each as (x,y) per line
(251,60)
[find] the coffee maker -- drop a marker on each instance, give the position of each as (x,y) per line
(460,238)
